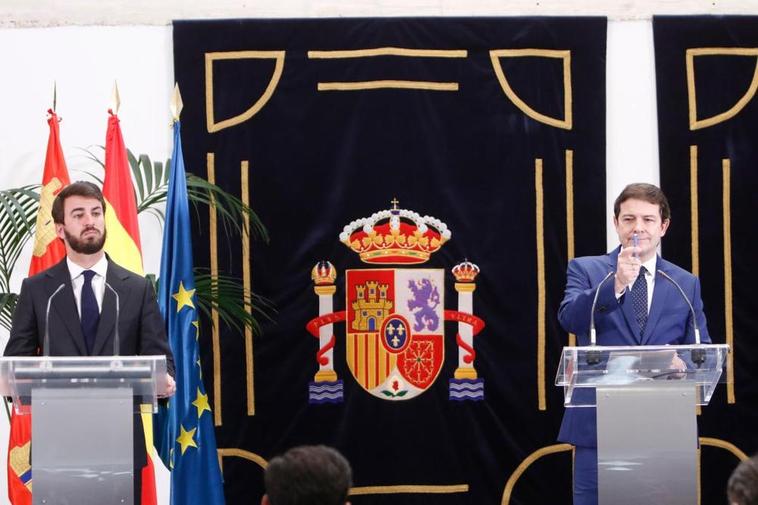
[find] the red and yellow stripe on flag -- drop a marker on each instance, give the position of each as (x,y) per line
(48,251)
(123,242)
(123,246)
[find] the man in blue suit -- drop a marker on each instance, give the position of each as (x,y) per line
(636,305)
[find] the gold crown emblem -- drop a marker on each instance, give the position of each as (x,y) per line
(323,273)
(395,236)
(465,272)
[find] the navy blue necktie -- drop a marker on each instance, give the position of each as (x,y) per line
(639,299)
(90,313)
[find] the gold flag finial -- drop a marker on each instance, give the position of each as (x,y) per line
(115,98)
(176,105)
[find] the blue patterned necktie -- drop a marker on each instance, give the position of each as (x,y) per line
(639,299)
(90,313)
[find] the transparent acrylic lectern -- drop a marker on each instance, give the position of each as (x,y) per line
(82,420)
(646,415)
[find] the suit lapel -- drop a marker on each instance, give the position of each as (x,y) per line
(626,305)
(661,292)
(105,328)
(64,304)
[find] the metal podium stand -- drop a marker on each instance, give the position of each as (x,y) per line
(82,436)
(646,422)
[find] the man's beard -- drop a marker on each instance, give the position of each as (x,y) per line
(85,246)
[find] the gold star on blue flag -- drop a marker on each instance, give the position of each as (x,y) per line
(185,438)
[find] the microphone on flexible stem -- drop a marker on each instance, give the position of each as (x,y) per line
(46,341)
(593,357)
(116,339)
(697,355)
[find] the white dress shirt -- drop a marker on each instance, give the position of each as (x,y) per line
(98,281)
(650,278)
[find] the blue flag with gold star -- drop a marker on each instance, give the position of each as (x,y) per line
(184,432)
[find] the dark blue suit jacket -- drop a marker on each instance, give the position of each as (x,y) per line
(669,321)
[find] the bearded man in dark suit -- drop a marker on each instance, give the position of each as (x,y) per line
(82,316)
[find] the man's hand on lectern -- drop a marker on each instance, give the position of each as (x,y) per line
(169,388)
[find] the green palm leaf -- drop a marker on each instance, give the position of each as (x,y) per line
(229,208)
(18,212)
(236,307)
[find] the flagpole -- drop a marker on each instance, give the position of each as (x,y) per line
(115,98)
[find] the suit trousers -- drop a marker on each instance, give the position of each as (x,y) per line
(585,475)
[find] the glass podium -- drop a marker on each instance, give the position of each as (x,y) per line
(82,425)
(646,398)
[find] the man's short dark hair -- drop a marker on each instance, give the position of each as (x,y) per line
(79,188)
(647,193)
(742,487)
(308,475)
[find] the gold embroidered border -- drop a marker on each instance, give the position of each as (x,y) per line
(210,58)
(516,475)
(247,288)
(388,51)
(695,123)
(240,453)
(215,330)
(723,444)
(728,306)
(355,491)
(541,298)
(565,55)
(694,212)
(570,239)
(409,488)
(388,84)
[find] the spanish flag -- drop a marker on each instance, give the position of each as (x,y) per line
(48,251)
(122,244)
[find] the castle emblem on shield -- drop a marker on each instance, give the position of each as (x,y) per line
(394,317)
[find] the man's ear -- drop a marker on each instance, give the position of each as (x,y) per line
(59,231)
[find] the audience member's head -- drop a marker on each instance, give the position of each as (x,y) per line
(308,475)
(742,488)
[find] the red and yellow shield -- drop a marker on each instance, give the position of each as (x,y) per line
(395,325)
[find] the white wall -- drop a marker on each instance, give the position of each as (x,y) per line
(84,61)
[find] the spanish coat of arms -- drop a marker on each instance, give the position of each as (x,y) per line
(394,317)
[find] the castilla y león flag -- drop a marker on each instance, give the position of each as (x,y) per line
(47,252)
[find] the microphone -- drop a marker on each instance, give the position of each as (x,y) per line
(593,358)
(116,339)
(698,355)
(593,336)
(46,342)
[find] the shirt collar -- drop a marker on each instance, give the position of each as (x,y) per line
(650,265)
(100,268)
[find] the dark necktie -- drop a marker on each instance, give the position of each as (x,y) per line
(639,299)
(90,313)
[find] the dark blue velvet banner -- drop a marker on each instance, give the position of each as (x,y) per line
(474,139)
(706,79)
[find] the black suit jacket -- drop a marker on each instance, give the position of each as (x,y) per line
(141,326)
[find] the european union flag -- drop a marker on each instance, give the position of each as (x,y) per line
(184,430)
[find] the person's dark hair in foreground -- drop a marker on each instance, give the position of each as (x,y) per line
(308,475)
(742,488)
